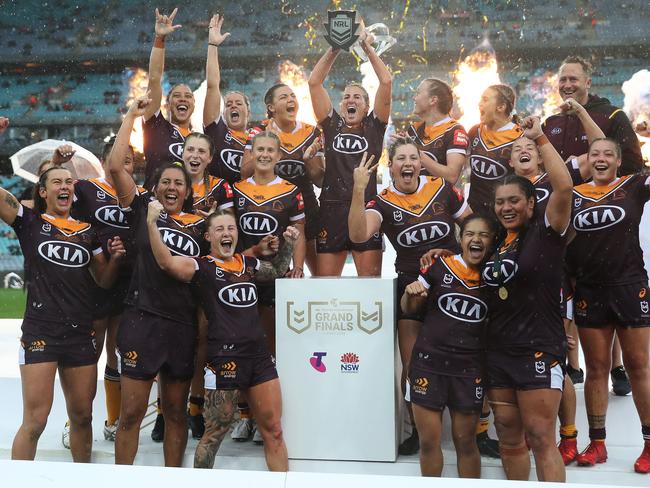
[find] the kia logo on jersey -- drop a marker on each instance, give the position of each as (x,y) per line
(462,307)
(487,168)
(425,232)
(63,253)
(257,224)
(541,194)
(350,144)
(290,168)
(239,295)
(597,218)
(112,215)
(179,243)
(176,150)
(508,270)
(231,158)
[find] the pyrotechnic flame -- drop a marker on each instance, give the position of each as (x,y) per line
(553,100)
(474,74)
(138,83)
(541,96)
(637,105)
(293,76)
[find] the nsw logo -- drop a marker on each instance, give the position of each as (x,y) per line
(425,232)
(231,158)
(63,253)
(486,168)
(317,363)
(179,243)
(257,224)
(597,218)
(350,144)
(290,168)
(508,270)
(112,215)
(463,307)
(349,363)
(239,295)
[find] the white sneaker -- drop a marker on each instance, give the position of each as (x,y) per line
(65,435)
(110,430)
(242,430)
(257,437)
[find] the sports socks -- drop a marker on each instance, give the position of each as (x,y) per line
(244,410)
(196,406)
(483,423)
(568,431)
(113,394)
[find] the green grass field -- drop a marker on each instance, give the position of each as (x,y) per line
(12,303)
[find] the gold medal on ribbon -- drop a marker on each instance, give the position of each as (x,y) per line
(503,293)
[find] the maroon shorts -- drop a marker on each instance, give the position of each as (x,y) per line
(437,391)
(525,371)
(148,344)
(239,373)
(333,235)
(621,305)
(68,345)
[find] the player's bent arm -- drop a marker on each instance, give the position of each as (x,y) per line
(320,99)
(124,184)
(278,266)
(412,302)
(381,108)
(450,172)
(558,211)
(104,271)
(316,170)
(590,127)
(8,207)
(247,165)
(179,267)
(361,224)
(300,246)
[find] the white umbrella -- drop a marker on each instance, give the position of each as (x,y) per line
(83,164)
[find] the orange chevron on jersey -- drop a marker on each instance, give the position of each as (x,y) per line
(234,265)
(592,192)
(184,219)
(431,132)
(293,141)
(418,202)
(240,136)
(68,226)
(471,279)
(199,189)
(261,194)
(495,139)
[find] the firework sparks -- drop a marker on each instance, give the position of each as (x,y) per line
(138,81)
(637,105)
(293,76)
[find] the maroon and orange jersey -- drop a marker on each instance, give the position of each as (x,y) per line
(606,219)
(489,153)
(228,296)
(151,289)
(419,221)
(218,191)
(58,253)
(163,143)
(228,150)
(439,140)
(263,210)
(451,340)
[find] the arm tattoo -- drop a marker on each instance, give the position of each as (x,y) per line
(219,412)
(11,200)
(596,421)
(269,270)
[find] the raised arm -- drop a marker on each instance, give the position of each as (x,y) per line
(181,268)
(164,27)
(384,92)
(278,266)
(8,207)
(414,298)
(124,184)
(558,210)
(320,99)
(299,252)
(212,106)
(315,164)
(450,172)
(362,224)
(593,132)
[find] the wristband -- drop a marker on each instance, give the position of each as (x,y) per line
(213,44)
(159,42)
(542,140)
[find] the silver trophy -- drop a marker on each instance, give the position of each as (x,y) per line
(382,41)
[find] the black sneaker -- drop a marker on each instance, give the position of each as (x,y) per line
(487,447)
(158,432)
(576,375)
(196,423)
(620,381)
(411,445)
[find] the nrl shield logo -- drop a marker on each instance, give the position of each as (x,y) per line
(540,367)
(341,29)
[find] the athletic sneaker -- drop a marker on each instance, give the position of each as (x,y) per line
(65,435)
(242,430)
(595,453)
(158,432)
(642,465)
(577,375)
(568,450)
(488,447)
(411,445)
(110,430)
(196,423)
(620,381)
(257,437)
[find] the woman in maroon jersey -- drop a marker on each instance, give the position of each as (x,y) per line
(62,256)
(348,136)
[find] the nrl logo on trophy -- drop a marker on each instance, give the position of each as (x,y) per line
(334,317)
(341,29)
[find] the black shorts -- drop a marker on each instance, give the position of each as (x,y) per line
(239,373)
(148,344)
(266,294)
(333,235)
(68,345)
(312,216)
(621,305)
(110,303)
(566,305)
(403,280)
(525,371)
(437,391)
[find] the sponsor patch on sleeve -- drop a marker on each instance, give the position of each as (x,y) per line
(460,138)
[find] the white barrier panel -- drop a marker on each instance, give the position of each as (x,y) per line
(335,348)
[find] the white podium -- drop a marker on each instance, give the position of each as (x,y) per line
(336,348)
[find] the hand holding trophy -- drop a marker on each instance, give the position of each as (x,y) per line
(343,32)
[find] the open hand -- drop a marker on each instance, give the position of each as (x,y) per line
(214,31)
(165,23)
(364,170)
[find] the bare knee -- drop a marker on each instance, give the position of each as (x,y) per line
(429,444)
(81,417)
(34,426)
(131,416)
(598,368)
(271,430)
(175,414)
(464,443)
